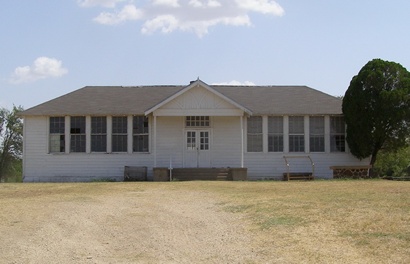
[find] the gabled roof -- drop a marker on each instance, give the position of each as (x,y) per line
(105,100)
(283,100)
(119,100)
(189,87)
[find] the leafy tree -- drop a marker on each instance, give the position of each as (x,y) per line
(11,140)
(393,163)
(376,107)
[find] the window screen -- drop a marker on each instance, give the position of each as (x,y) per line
(337,134)
(317,133)
(296,134)
(254,136)
(275,134)
(77,132)
(57,134)
(99,134)
(140,134)
(119,134)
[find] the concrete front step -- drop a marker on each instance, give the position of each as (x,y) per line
(204,174)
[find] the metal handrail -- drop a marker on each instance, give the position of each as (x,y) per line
(291,157)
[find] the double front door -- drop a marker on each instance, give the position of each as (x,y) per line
(197,149)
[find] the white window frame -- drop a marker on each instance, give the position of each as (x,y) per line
(57,135)
(297,134)
(116,134)
(197,121)
(144,133)
(254,135)
(337,132)
(78,137)
(316,134)
(275,134)
(99,134)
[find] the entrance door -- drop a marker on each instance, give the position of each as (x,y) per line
(197,149)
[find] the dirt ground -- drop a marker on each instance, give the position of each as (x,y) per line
(364,222)
(155,226)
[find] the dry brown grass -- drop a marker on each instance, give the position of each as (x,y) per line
(289,222)
(327,221)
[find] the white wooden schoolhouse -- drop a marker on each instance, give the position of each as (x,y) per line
(97,132)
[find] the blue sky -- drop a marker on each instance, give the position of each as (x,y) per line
(49,48)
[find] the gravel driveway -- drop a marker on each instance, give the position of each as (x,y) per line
(154,226)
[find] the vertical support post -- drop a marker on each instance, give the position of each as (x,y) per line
(67,136)
(307,133)
(286,134)
(265,134)
(88,134)
(109,134)
(327,134)
(170,168)
(154,148)
(242,143)
(130,135)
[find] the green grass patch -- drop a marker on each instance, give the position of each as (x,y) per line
(237,208)
(280,221)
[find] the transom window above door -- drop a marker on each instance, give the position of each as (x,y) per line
(197,121)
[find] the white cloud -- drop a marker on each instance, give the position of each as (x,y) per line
(128,12)
(42,68)
(171,3)
(169,23)
(261,6)
(104,3)
(236,83)
(165,23)
(213,3)
(204,3)
(195,16)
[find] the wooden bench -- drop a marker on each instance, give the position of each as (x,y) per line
(305,176)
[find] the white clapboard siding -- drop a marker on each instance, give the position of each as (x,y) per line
(225,151)
(273,165)
(226,142)
(170,141)
(39,165)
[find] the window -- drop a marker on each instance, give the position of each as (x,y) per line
(296,134)
(275,134)
(317,133)
(254,138)
(119,134)
(77,132)
(337,134)
(191,140)
(57,136)
(204,140)
(140,134)
(98,134)
(197,121)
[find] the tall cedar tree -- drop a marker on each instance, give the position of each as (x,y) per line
(376,107)
(11,138)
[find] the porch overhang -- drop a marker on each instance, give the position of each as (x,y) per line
(198,112)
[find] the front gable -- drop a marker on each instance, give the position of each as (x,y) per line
(198,99)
